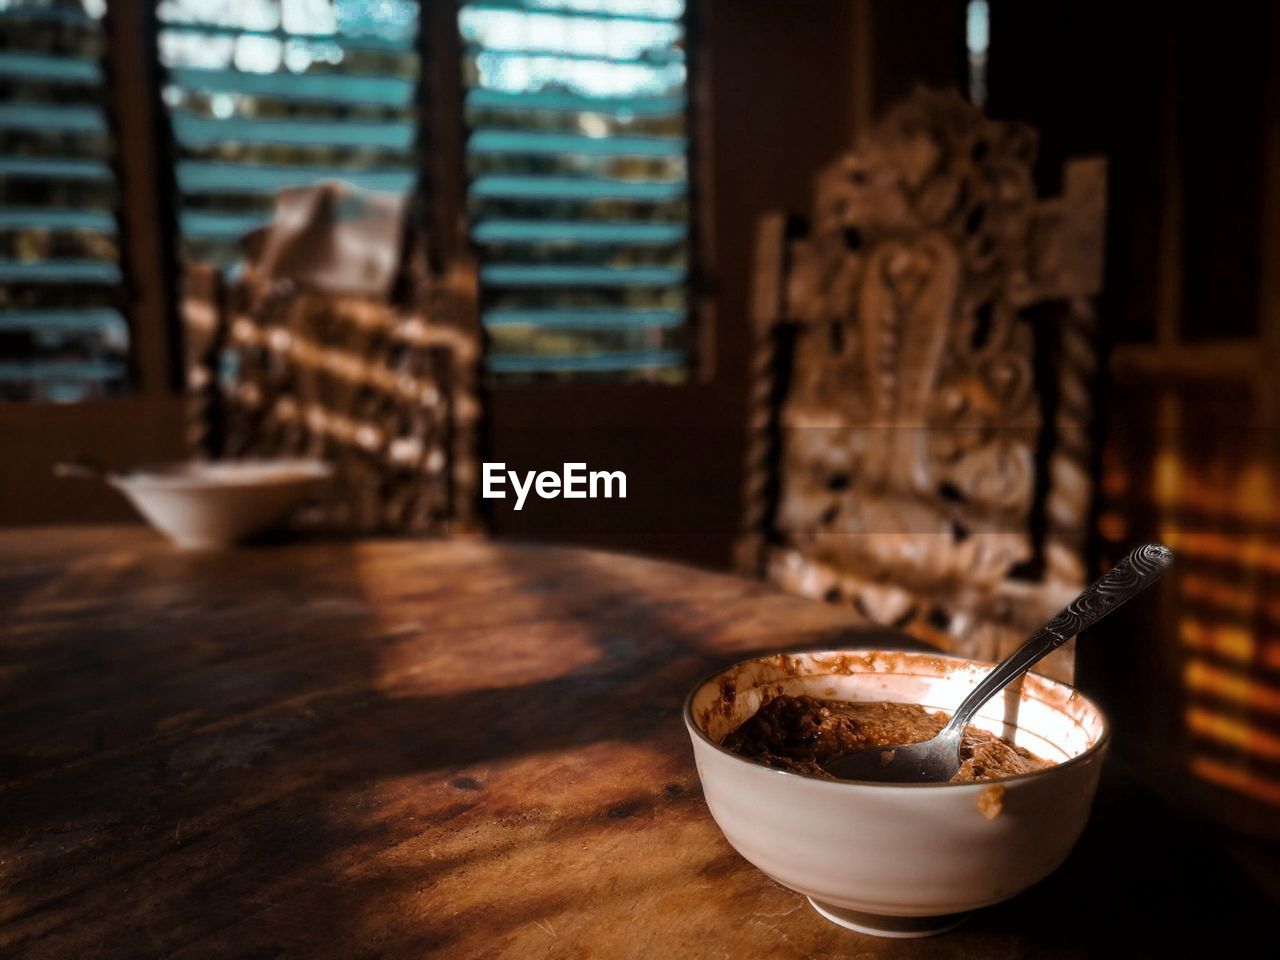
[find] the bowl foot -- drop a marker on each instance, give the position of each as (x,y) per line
(879,925)
(199,542)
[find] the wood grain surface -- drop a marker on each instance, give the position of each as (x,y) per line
(404,749)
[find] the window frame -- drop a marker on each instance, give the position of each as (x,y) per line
(150,412)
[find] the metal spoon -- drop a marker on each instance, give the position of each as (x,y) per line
(938,758)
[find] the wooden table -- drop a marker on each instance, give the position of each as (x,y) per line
(407,749)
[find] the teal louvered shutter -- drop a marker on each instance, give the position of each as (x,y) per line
(578,186)
(283,93)
(62,335)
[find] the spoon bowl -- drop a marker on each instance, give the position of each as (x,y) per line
(930,761)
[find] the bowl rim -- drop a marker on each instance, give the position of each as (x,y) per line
(276,471)
(1088,753)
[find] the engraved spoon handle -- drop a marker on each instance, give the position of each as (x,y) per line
(1126,579)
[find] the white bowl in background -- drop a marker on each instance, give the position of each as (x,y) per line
(899,860)
(217,503)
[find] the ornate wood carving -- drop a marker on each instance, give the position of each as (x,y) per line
(934,432)
(759,495)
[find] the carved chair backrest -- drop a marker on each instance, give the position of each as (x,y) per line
(922,402)
(387,394)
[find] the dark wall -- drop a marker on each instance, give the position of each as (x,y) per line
(915,42)
(1182,99)
(1173,95)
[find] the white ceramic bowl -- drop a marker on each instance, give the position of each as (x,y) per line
(899,860)
(214,504)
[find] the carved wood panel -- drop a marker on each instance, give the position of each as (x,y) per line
(932,436)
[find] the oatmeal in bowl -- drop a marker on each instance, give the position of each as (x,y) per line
(803,734)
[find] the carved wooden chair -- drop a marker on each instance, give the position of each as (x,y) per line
(280,366)
(920,418)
